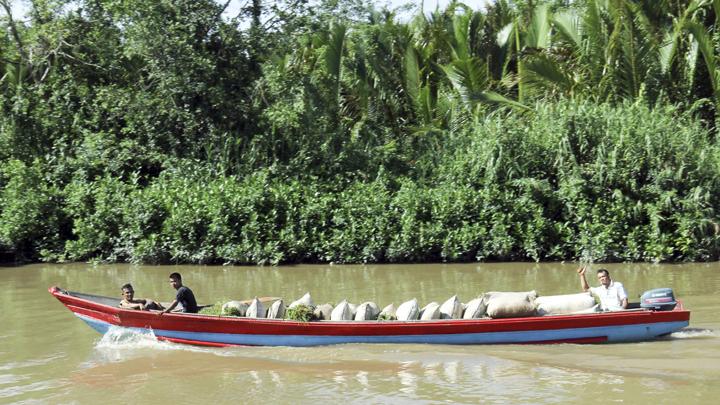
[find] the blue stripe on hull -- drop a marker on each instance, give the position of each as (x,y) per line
(98,325)
(622,333)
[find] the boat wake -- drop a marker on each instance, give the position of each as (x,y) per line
(124,338)
(119,344)
(122,344)
(694,333)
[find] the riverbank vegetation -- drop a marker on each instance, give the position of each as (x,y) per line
(166,132)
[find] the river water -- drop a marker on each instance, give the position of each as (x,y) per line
(47,355)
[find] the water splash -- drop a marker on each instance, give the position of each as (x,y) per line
(125,338)
(694,333)
(120,344)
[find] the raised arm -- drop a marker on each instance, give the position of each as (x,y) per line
(583,281)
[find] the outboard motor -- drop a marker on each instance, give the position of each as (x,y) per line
(658,299)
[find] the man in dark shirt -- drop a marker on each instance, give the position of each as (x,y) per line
(184,296)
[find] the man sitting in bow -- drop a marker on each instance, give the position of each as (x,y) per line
(129,301)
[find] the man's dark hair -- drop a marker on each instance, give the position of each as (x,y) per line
(607,273)
(176,276)
(126,286)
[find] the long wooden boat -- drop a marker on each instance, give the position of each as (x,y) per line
(101,313)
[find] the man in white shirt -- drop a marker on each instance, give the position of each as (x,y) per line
(611,293)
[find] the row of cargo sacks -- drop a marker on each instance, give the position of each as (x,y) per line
(488,305)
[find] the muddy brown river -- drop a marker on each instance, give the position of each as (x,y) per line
(47,355)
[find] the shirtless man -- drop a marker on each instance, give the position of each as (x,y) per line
(129,302)
(611,293)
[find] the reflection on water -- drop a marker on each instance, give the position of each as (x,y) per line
(52,357)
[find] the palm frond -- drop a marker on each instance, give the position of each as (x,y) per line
(705,45)
(596,44)
(505,34)
(467,77)
(492,97)
(334,52)
(460,43)
(412,77)
(568,24)
(691,58)
(540,72)
(427,104)
(668,50)
(538,33)
(672,41)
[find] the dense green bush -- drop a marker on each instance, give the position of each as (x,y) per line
(166,132)
(32,223)
(97,210)
(597,182)
(543,186)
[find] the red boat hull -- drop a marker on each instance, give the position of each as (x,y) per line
(623,326)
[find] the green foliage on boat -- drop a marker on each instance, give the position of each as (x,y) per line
(301,313)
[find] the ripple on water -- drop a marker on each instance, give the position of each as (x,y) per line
(31,362)
(21,379)
(6,379)
(34,387)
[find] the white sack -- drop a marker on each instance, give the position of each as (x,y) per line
(511,304)
(305,300)
(235,308)
(451,309)
(341,312)
(430,311)
(388,313)
(256,309)
(323,312)
(276,310)
(367,311)
(475,308)
(408,311)
(564,304)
